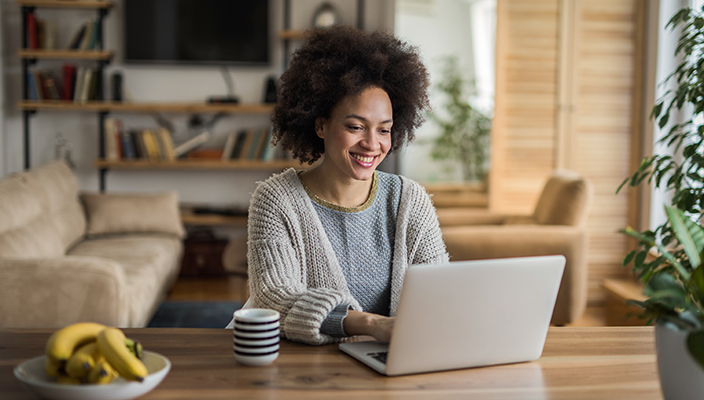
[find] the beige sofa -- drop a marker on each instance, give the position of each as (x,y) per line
(67,257)
(556,226)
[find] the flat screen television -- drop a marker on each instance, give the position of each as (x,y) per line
(197,31)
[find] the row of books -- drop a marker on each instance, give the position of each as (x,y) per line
(79,84)
(131,144)
(86,37)
(41,33)
(158,145)
(251,144)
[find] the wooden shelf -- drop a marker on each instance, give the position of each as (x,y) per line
(107,106)
(212,220)
(200,164)
(292,35)
(65,54)
(94,4)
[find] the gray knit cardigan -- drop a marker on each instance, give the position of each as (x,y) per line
(293,268)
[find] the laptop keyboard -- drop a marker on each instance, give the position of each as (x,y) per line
(380,356)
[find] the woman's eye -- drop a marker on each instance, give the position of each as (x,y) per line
(354,127)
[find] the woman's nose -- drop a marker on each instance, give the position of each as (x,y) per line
(370,140)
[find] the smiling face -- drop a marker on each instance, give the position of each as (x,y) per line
(357,135)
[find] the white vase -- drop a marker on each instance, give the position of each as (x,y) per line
(681,378)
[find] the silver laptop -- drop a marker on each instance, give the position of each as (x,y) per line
(468,314)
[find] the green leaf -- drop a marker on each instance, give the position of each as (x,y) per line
(698,282)
(677,220)
(629,257)
(695,344)
(663,120)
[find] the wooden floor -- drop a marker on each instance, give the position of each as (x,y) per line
(234,288)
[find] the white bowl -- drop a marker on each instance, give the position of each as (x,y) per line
(33,377)
(256,342)
(257,335)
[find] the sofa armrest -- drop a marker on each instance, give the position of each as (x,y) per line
(132,213)
(488,242)
(454,216)
(55,292)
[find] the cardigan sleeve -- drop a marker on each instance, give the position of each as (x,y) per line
(425,242)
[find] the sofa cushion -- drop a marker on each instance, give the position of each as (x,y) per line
(40,214)
(564,200)
(150,263)
(132,213)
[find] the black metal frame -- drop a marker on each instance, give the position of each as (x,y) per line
(27,62)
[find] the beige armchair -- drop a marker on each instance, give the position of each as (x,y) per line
(557,226)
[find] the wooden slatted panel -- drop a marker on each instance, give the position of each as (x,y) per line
(590,126)
(523,133)
(606,49)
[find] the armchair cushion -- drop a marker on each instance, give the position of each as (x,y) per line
(132,213)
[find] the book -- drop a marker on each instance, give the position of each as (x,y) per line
(151,145)
(40,84)
(117,130)
(31,23)
(208,153)
(239,144)
(140,151)
(90,27)
(52,86)
(229,145)
(80,77)
(248,140)
(41,31)
(77,38)
(32,87)
(267,154)
(68,72)
(191,143)
(85,86)
(109,143)
(127,144)
(50,34)
(167,144)
(93,38)
(261,146)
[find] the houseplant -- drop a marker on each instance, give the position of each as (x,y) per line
(464,130)
(673,276)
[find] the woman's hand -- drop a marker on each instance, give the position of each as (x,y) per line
(362,323)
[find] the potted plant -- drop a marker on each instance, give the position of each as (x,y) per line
(668,260)
(464,131)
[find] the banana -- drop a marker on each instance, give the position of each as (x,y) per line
(102,373)
(83,360)
(63,342)
(135,347)
(111,342)
(53,368)
(67,380)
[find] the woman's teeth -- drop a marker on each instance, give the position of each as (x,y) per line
(363,159)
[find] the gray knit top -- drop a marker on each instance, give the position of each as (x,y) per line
(363,239)
(294,269)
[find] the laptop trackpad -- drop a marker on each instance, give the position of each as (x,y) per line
(372,353)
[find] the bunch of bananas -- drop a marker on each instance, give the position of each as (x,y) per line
(88,352)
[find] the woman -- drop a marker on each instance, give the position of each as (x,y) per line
(328,247)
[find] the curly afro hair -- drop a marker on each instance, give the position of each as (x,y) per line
(342,61)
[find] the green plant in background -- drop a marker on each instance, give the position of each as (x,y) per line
(673,276)
(464,133)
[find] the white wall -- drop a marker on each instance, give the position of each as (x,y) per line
(148,83)
(440,28)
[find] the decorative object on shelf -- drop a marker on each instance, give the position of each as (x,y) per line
(464,133)
(325,15)
(117,87)
(270,91)
(62,150)
(674,276)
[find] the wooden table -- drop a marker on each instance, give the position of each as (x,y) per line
(577,363)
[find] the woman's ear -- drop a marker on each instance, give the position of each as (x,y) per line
(320,127)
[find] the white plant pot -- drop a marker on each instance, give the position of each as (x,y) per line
(681,378)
